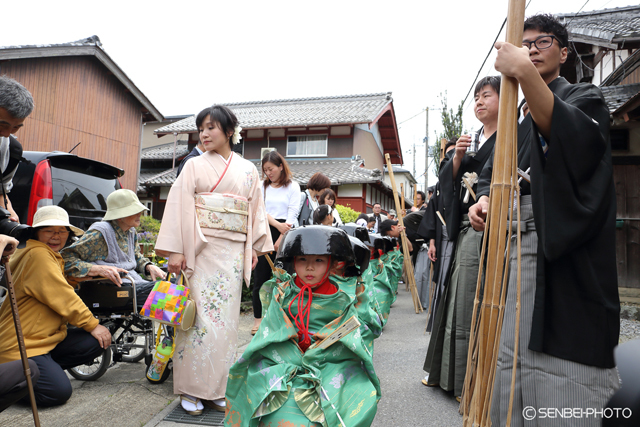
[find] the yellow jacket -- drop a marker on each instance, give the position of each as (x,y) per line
(46,302)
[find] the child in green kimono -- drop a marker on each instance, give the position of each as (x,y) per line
(287,376)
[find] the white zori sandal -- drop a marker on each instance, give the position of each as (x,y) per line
(191,405)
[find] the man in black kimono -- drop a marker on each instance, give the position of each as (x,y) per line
(440,250)
(197,151)
(446,359)
(569,318)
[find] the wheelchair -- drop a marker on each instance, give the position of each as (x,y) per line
(132,336)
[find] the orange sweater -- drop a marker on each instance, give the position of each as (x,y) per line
(46,302)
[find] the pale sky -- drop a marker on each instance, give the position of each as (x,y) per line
(186,55)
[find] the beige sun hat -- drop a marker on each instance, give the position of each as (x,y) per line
(54,216)
(123,203)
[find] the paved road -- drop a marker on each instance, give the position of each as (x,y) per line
(398,358)
(123,397)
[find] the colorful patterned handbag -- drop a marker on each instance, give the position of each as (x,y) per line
(167,303)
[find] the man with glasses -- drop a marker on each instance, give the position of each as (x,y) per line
(569,315)
(16,103)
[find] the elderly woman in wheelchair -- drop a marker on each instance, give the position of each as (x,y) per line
(110,247)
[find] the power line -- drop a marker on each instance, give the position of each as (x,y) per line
(489,53)
(413,117)
(485,60)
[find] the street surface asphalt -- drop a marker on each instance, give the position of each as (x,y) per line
(124,398)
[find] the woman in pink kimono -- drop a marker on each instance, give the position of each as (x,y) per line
(214,227)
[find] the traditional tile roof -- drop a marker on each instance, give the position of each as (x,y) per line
(145,175)
(603,27)
(163,178)
(340,171)
(165,151)
(349,109)
(90,46)
(617,96)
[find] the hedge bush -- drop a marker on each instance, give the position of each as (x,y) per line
(347,214)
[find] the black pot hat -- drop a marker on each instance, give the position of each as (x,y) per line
(316,240)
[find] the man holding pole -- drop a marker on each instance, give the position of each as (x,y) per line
(569,316)
(446,359)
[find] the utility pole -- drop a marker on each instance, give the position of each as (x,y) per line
(414,157)
(426,156)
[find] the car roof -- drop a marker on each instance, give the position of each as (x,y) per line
(38,156)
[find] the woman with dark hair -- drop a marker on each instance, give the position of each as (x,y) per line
(46,303)
(213,228)
(328,197)
(282,202)
(309,198)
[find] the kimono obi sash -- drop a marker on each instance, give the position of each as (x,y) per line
(222,211)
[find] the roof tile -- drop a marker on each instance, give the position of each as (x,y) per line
(346,109)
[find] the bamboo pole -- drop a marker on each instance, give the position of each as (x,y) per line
(415,194)
(487,316)
(21,346)
(402,214)
(411,277)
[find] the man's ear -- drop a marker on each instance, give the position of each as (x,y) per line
(564,52)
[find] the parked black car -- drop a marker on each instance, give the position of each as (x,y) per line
(77,184)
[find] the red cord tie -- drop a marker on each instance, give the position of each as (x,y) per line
(304,312)
(301,320)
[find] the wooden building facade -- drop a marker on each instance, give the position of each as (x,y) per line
(81,96)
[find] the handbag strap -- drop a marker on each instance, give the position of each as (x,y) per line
(183,278)
(223,172)
(159,335)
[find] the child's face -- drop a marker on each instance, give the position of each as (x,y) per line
(311,268)
(328,220)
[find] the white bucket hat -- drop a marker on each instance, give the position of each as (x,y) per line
(123,203)
(54,216)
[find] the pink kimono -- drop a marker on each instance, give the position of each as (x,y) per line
(217,260)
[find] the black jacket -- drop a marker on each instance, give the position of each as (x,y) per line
(577,308)
(191,155)
(453,190)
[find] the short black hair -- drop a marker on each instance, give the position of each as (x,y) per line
(321,213)
(363,216)
(547,23)
(385,226)
(451,142)
(493,81)
(221,115)
(421,193)
(376,203)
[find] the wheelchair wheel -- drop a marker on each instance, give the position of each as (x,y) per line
(136,341)
(93,370)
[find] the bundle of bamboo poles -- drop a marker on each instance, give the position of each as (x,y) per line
(487,316)
(401,216)
(408,267)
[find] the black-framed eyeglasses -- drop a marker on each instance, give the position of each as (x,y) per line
(542,42)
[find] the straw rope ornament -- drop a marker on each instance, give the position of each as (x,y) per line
(486,326)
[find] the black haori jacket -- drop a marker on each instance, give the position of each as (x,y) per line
(577,308)
(453,190)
